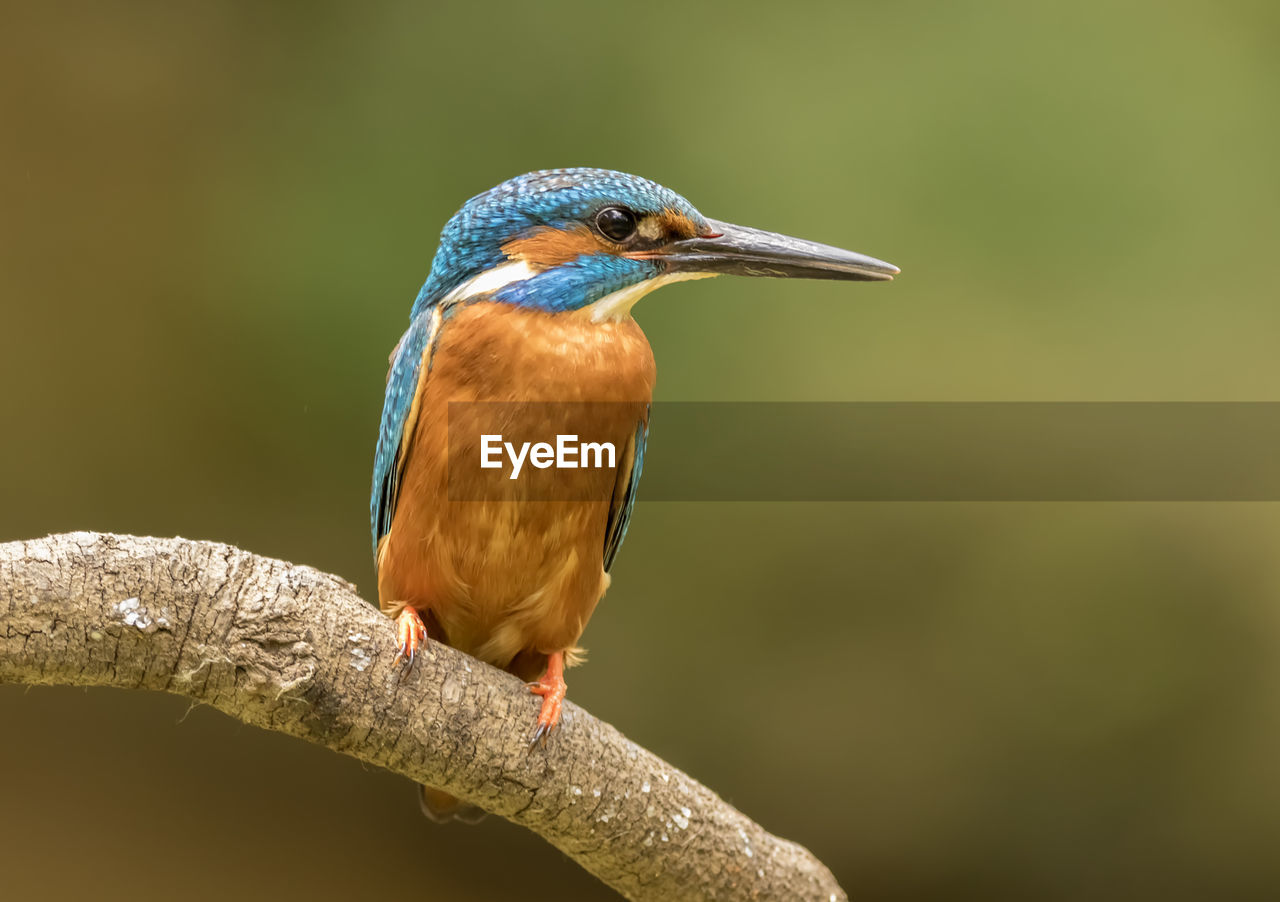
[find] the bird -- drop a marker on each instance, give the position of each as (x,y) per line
(528,305)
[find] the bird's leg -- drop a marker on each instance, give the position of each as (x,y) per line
(411,633)
(552,689)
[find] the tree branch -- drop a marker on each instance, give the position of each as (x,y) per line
(289,648)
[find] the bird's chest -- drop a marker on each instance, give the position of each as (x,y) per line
(497,352)
(513,563)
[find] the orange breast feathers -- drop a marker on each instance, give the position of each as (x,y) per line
(510,570)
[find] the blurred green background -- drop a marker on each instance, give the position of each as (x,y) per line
(214,218)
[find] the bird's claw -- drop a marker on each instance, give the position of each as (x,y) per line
(539,737)
(549,715)
(552,688)
(411,633)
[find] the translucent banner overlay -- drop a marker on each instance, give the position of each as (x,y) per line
(881,451)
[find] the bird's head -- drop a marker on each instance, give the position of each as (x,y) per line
(597,241)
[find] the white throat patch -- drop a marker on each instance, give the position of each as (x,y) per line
(617,306)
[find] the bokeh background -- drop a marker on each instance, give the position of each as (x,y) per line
(214,217)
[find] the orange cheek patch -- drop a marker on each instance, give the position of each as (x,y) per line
(547,247)
(676,225)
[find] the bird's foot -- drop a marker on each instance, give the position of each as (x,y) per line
(411,633)
(552,688)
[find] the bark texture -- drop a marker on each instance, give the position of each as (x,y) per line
(288,648)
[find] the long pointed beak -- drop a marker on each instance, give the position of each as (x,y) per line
(742,251)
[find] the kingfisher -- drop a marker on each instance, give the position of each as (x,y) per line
(528,304)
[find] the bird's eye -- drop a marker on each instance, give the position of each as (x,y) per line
(616,223)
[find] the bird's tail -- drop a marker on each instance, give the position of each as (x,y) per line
(443,808)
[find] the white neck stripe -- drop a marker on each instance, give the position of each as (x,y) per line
(490,280)
(610,308)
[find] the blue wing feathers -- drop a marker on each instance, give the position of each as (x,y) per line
(620,517)
(402,386)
